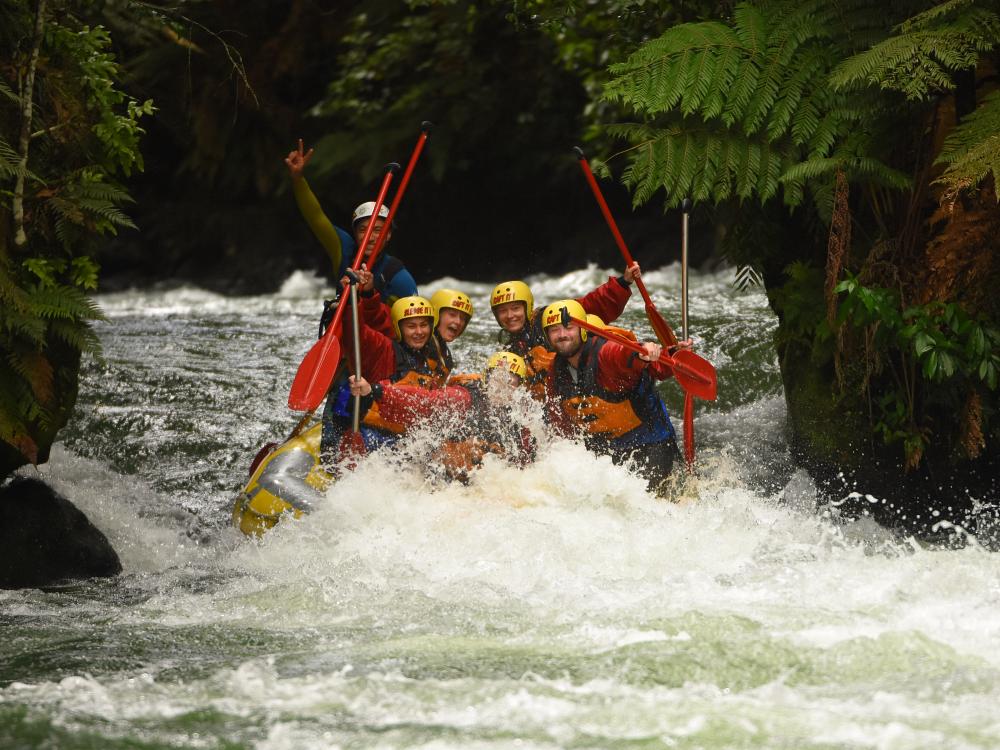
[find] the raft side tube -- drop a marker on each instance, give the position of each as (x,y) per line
(290,479)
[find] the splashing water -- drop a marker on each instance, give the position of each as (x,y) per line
(559,605)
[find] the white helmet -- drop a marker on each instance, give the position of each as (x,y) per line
(366,209)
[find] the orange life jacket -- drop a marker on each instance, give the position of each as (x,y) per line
(634,417)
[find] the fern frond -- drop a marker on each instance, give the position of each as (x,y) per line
(9,160)
(31,365)
(665,73)
(747,277)
(972,149)
(27,326)
(65,302)
(8,92)
(936,13)
(77,334)
(920,61)
(855,167)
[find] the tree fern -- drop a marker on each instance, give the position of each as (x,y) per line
(767,106)
(920,59)
(972,149)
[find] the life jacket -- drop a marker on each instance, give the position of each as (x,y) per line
(417,368)
(444,353)
(607,418)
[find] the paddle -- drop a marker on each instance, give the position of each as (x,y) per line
(316,371)
(693,373)
(660,327)
(688,398)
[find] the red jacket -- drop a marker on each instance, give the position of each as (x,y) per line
(376,314)
(607,301)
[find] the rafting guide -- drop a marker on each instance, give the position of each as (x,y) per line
(588,380)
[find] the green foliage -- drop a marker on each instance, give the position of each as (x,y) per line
(941,353)
(115,115)
(777,99)
(743,109)
(972,149)
(84,132)
(920,59)
(800,304)
(765,108)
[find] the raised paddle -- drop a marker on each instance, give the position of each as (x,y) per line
(688,398)
(660,327)
(425,131)
(694,374)
(317,369)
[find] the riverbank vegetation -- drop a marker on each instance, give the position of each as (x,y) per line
(859,141)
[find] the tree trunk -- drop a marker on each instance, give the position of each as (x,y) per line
(27,104)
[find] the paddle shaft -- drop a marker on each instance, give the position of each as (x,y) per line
(686,206)
(425,131)
(356,419)
(651,311)
(390,171)
(688,398)
(317,369)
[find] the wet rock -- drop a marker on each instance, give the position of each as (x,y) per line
(45,539)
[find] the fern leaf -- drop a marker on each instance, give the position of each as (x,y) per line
(746,278)
(972,149)
(920,60)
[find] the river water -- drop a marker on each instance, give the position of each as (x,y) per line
(559,606)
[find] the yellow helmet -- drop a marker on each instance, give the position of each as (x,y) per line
(595,320)
(451,298)
(513,291)
(507,361)
(411,307)
(552,315)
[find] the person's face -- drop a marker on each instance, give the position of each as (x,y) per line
(511,316)
(452,324)
(362,226)
(415,331)
(565,340)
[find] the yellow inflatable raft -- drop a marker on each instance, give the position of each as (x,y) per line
(289,479)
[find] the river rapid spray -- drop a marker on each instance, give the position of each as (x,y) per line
(558,606)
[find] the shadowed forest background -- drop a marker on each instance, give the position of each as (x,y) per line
(843,155)
(497,192)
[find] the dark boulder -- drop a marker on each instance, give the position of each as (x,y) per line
(44,538)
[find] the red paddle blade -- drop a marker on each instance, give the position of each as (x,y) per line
(660,327)
(315,374)
(689,430)
(695,374)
